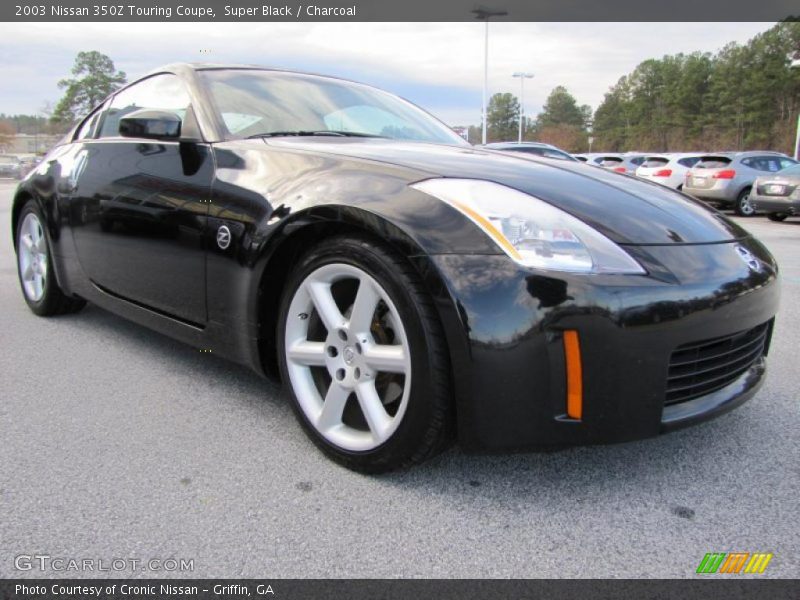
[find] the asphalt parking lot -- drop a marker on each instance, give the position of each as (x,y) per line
(117,442)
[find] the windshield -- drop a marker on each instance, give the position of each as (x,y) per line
(655,161)
(253,103)
(713,162)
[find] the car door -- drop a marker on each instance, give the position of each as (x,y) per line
(139,206)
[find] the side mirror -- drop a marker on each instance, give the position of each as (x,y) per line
(151,124)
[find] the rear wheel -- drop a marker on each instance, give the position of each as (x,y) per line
(777,216)
(362,352)
(35,267)
(743,208)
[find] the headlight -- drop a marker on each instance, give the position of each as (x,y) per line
(531,231)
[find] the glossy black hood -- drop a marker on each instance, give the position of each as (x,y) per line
(626,209)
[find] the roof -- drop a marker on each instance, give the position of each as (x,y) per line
(178,67)
(519,144)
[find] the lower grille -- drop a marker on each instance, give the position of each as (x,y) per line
(699,368)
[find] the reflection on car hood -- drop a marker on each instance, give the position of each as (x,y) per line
(627,210)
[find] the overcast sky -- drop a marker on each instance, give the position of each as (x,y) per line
(436,65)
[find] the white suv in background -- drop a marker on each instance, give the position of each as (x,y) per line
(668,169)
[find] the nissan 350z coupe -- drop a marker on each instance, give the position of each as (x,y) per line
(407,288)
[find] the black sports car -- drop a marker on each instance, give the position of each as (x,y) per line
(407,287)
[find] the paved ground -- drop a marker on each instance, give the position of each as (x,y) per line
(116,442)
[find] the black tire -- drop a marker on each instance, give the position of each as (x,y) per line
(53,300)
(777,216)
(743,208)
(426,427)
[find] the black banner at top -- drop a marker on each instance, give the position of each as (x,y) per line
(395,10)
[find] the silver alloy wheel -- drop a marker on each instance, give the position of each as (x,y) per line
(744,205)
(346,365)
(32,257)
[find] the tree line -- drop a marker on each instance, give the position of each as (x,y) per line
(745,96)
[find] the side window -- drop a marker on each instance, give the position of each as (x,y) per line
(770,164)
(534,151)
(767,163)
(786,163)
(160,92)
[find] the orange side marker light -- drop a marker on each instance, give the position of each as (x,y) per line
(572,353)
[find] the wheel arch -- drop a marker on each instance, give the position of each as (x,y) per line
(321,223)
(21,197)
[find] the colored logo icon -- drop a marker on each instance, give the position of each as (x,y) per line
(734,562)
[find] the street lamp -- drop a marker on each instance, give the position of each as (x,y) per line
(483,13)
(794,65)
(522,77)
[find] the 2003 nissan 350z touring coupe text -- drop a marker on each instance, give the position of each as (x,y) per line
(408,288)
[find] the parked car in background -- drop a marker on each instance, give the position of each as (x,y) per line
(580,157)
(778,195)
(667,169)
(10,166)
(726,178)
(618,162)
(532,148)
(27,163)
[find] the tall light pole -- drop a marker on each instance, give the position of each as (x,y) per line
(522,77)
(794,65)
(483,13)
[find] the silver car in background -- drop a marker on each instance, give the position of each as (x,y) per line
(618,162)
(10,166)
(667,169)
(726,179)
(778,195)
(533,148)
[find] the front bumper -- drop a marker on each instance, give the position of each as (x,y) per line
(507,348)
(773,204)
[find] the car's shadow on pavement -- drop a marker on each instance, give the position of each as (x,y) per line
(663,468)
(212,370)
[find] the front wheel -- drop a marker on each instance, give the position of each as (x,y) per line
(743,208)
(363,354)
(777,216)
(35,267)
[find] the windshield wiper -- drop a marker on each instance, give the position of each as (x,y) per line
(322,132)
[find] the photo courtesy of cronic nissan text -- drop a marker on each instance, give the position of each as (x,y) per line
(358,299)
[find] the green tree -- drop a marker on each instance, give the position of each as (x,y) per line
(503,118)
(563,122)
(746,96)
(561,108)
(94,78)
(611,126)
